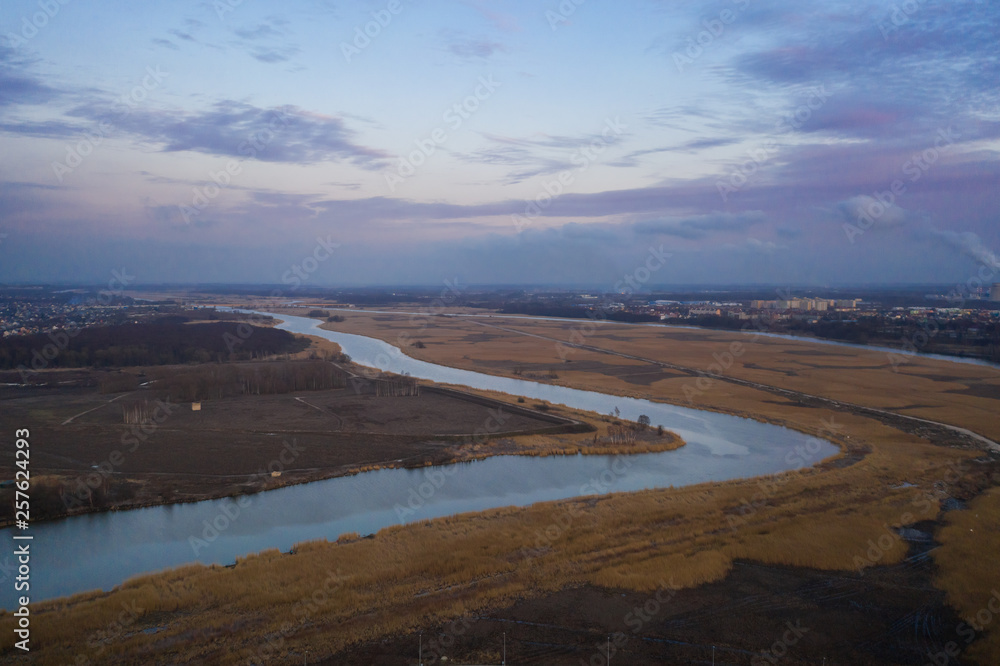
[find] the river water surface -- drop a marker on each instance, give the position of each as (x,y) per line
(103,550)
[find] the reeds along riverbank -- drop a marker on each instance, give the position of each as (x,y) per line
(967,569)
(404,578)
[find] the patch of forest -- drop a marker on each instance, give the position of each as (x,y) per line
(169,341)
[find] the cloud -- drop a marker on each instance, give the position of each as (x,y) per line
(538,154)
(46,129)
(885,85)
(701,144)
(696,228)
(475,48)
(187,35)
(762,246)
(601,233)
(864,207)
(856,117)
(237,129)
(516,156)
(788,233)
(632,159)
(273,198)
(16,85)
(346,186)
(267,42)
(181,35)
(809,183)
(675,117)
(20,200)
(166,43)
(272,55)
(260,31)
(170,216)
(554,141)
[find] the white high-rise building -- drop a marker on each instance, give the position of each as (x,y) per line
(995,292)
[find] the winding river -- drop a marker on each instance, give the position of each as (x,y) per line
(669,327)
(103,550)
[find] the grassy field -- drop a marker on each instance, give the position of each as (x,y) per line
(968,571)
(961,394)
(841,516)
(229,445)
(408,577)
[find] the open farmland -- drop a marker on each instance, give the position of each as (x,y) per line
(89,458)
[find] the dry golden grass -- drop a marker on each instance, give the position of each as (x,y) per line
(968,570)
(595,442)
(961,394)
(406,577)
(319,348)
(336,595)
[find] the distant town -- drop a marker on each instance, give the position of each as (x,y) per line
(914,320)
(27,311)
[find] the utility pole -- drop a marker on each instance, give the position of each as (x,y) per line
(713,655)
(505,648)
(609,650)
(420,654)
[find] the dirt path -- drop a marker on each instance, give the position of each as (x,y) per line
(94,409)
(340,421)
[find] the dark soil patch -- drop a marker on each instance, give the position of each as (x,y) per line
(754,366)
(644,373)
(938,378)
(990,391)
(231,445)
(648,378)
(820,366)
(885,615)
(813,352)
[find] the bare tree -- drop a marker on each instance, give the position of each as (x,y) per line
(622,435)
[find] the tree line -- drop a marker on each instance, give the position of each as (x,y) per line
(962,336)
(160,343)
(205,382)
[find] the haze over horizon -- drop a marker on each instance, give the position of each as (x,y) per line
(750,141)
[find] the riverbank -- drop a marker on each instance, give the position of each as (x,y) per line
(696,368)
(840,516)
(244,445)
(328,597)
(901,348)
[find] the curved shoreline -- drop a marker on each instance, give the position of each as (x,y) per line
(799,395)
(839,405)
(948,358)
(460,451)
(729,448)
(749,518)
(458,455)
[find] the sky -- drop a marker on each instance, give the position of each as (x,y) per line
(315,143)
